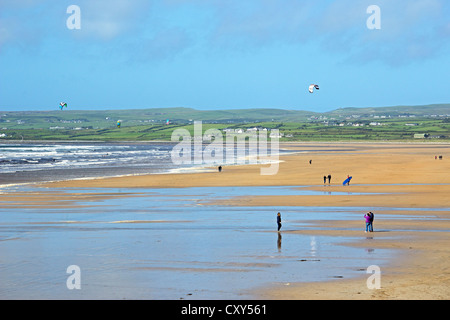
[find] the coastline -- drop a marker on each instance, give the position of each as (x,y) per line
(385,175)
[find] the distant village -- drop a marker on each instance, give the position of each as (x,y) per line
(354,120)
(341,122)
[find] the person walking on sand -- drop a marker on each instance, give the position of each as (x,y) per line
(329,178)
(368,218)
(279,221)
(324,179)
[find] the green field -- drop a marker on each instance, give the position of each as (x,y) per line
(351,124)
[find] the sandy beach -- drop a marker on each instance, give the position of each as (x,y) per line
(407,177)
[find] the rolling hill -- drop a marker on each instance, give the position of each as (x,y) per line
(381,123)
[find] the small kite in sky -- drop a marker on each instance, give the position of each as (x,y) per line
(312,87)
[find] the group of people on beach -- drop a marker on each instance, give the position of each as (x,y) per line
(346,182)
(369,217)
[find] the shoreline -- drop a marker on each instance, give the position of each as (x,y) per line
(411,179)
(246,160)
(418,142)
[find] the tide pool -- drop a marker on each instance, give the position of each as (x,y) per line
(170,244)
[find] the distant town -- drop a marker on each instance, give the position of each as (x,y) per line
(390,123)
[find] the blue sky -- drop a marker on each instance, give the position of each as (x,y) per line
(223,54)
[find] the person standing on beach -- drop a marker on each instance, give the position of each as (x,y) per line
(369,218)
(324,179)
(279,221)
(329,178)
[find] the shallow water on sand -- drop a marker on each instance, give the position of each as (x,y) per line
(170,244)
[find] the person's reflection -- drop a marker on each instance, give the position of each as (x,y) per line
(279,242)
(313,246)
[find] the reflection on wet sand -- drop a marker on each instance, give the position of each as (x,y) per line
(279,242)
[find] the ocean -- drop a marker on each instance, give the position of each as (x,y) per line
(43,162)
(22,163)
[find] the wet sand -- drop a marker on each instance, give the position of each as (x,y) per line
(406,177)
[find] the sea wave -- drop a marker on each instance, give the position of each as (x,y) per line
(28,163)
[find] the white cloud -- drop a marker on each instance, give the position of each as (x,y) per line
(108,19)
(410,29)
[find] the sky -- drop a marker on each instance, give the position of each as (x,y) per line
(223,54)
